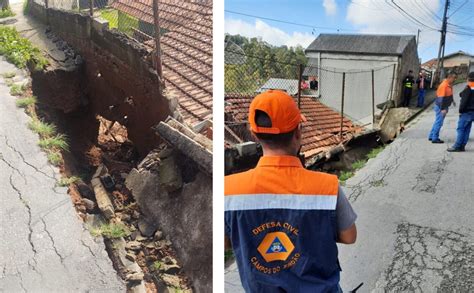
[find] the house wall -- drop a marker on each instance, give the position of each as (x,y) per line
(457,60)
(358,86)
(116,69)
(409,61)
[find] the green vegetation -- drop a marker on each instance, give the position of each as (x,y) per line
(17,89)
(43,129)
(26,7)
(54,158)
(66,181)
(358,165)
(374,152)
(111,231)
(228,255)
(57,142)
(263,61)
(18,50)
(9,75)
(156,265)
(26,102)
(119,20)
(6,12)
(345,175)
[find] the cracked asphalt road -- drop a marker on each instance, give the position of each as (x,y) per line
(416,230)
(45,246)
(415,206)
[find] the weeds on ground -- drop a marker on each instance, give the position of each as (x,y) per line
(9,74)
(345,175)
(228,255)
(358,164)
(6,12)
(26,7)
(17,89)
(54,158)
(25,102)
(373,153)
(9,82)
(57,142)
(156,265)
(111,231)
(43,129)
(18,50)
(66,181)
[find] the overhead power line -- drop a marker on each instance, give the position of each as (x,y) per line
(292,23)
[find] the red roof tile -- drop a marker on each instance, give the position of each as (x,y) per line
(321,131)
(186,51)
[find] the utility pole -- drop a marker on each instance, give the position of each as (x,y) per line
(157,37)
(442,41)
(418,38)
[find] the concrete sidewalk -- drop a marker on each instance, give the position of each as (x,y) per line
(45,246)
(415,206)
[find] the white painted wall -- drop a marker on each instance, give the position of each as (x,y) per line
(358,86)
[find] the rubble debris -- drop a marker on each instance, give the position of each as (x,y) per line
(101,195)
(146,228)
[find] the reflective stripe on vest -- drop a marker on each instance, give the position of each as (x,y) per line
(408,85)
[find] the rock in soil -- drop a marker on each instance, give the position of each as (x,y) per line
(133,245)
(130,256)
(91,207)
(171,280)
(147,229)
(85,191)
(134,277)
(158,235)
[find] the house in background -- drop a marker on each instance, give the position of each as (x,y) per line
(331,54)
(457,60)
(289,86)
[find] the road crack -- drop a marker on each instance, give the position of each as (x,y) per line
(61,258)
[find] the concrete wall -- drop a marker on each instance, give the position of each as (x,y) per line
(118,77)
(457,60)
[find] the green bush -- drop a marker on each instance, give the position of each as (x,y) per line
(43,129)
(345,175)
(18,50)
(25,102)
(58,142)
(17,89)
(6,13)
(55,158)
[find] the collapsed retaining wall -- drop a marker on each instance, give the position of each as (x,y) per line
(117,77)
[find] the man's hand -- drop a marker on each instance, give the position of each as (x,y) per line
(348,236)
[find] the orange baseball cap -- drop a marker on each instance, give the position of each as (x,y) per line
(280,107)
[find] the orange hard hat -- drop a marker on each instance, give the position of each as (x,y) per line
(280,107)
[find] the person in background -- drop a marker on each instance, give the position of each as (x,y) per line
(282,220)
(444,99)
(466,116)
(313,83)
(421,82)
(408,82)
(304,85)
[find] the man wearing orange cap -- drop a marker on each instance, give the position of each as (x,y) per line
(282,220)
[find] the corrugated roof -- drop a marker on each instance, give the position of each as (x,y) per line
(320,133)
(186,51)
(361,44)
(288,85)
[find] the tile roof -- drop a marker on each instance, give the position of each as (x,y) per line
(320,133)
(186,51)
(361,44)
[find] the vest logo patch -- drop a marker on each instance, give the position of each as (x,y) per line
(275,246)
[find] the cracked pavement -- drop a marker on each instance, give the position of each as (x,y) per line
(415,216)
(45,246)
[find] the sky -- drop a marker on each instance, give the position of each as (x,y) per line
(352,17)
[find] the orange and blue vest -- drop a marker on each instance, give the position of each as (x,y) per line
(281,221)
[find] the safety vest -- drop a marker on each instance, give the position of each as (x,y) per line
(408,84)
(281,220)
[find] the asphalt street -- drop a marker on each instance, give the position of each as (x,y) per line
(44,247)
(415,206)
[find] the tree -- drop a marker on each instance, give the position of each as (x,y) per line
(4,4)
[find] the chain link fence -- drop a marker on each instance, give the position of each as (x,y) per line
(356,94)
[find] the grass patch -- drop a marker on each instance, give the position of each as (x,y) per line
(358,164)
(66,181)
(377,183)
(373,153)
(9,74)
(55,158)
(17,89)
(26,102)
(111,231)
(57,142)
(345,175)
(6,12)
(119,20)
(156,265)
(228,255)
(43,129)
(18,50)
